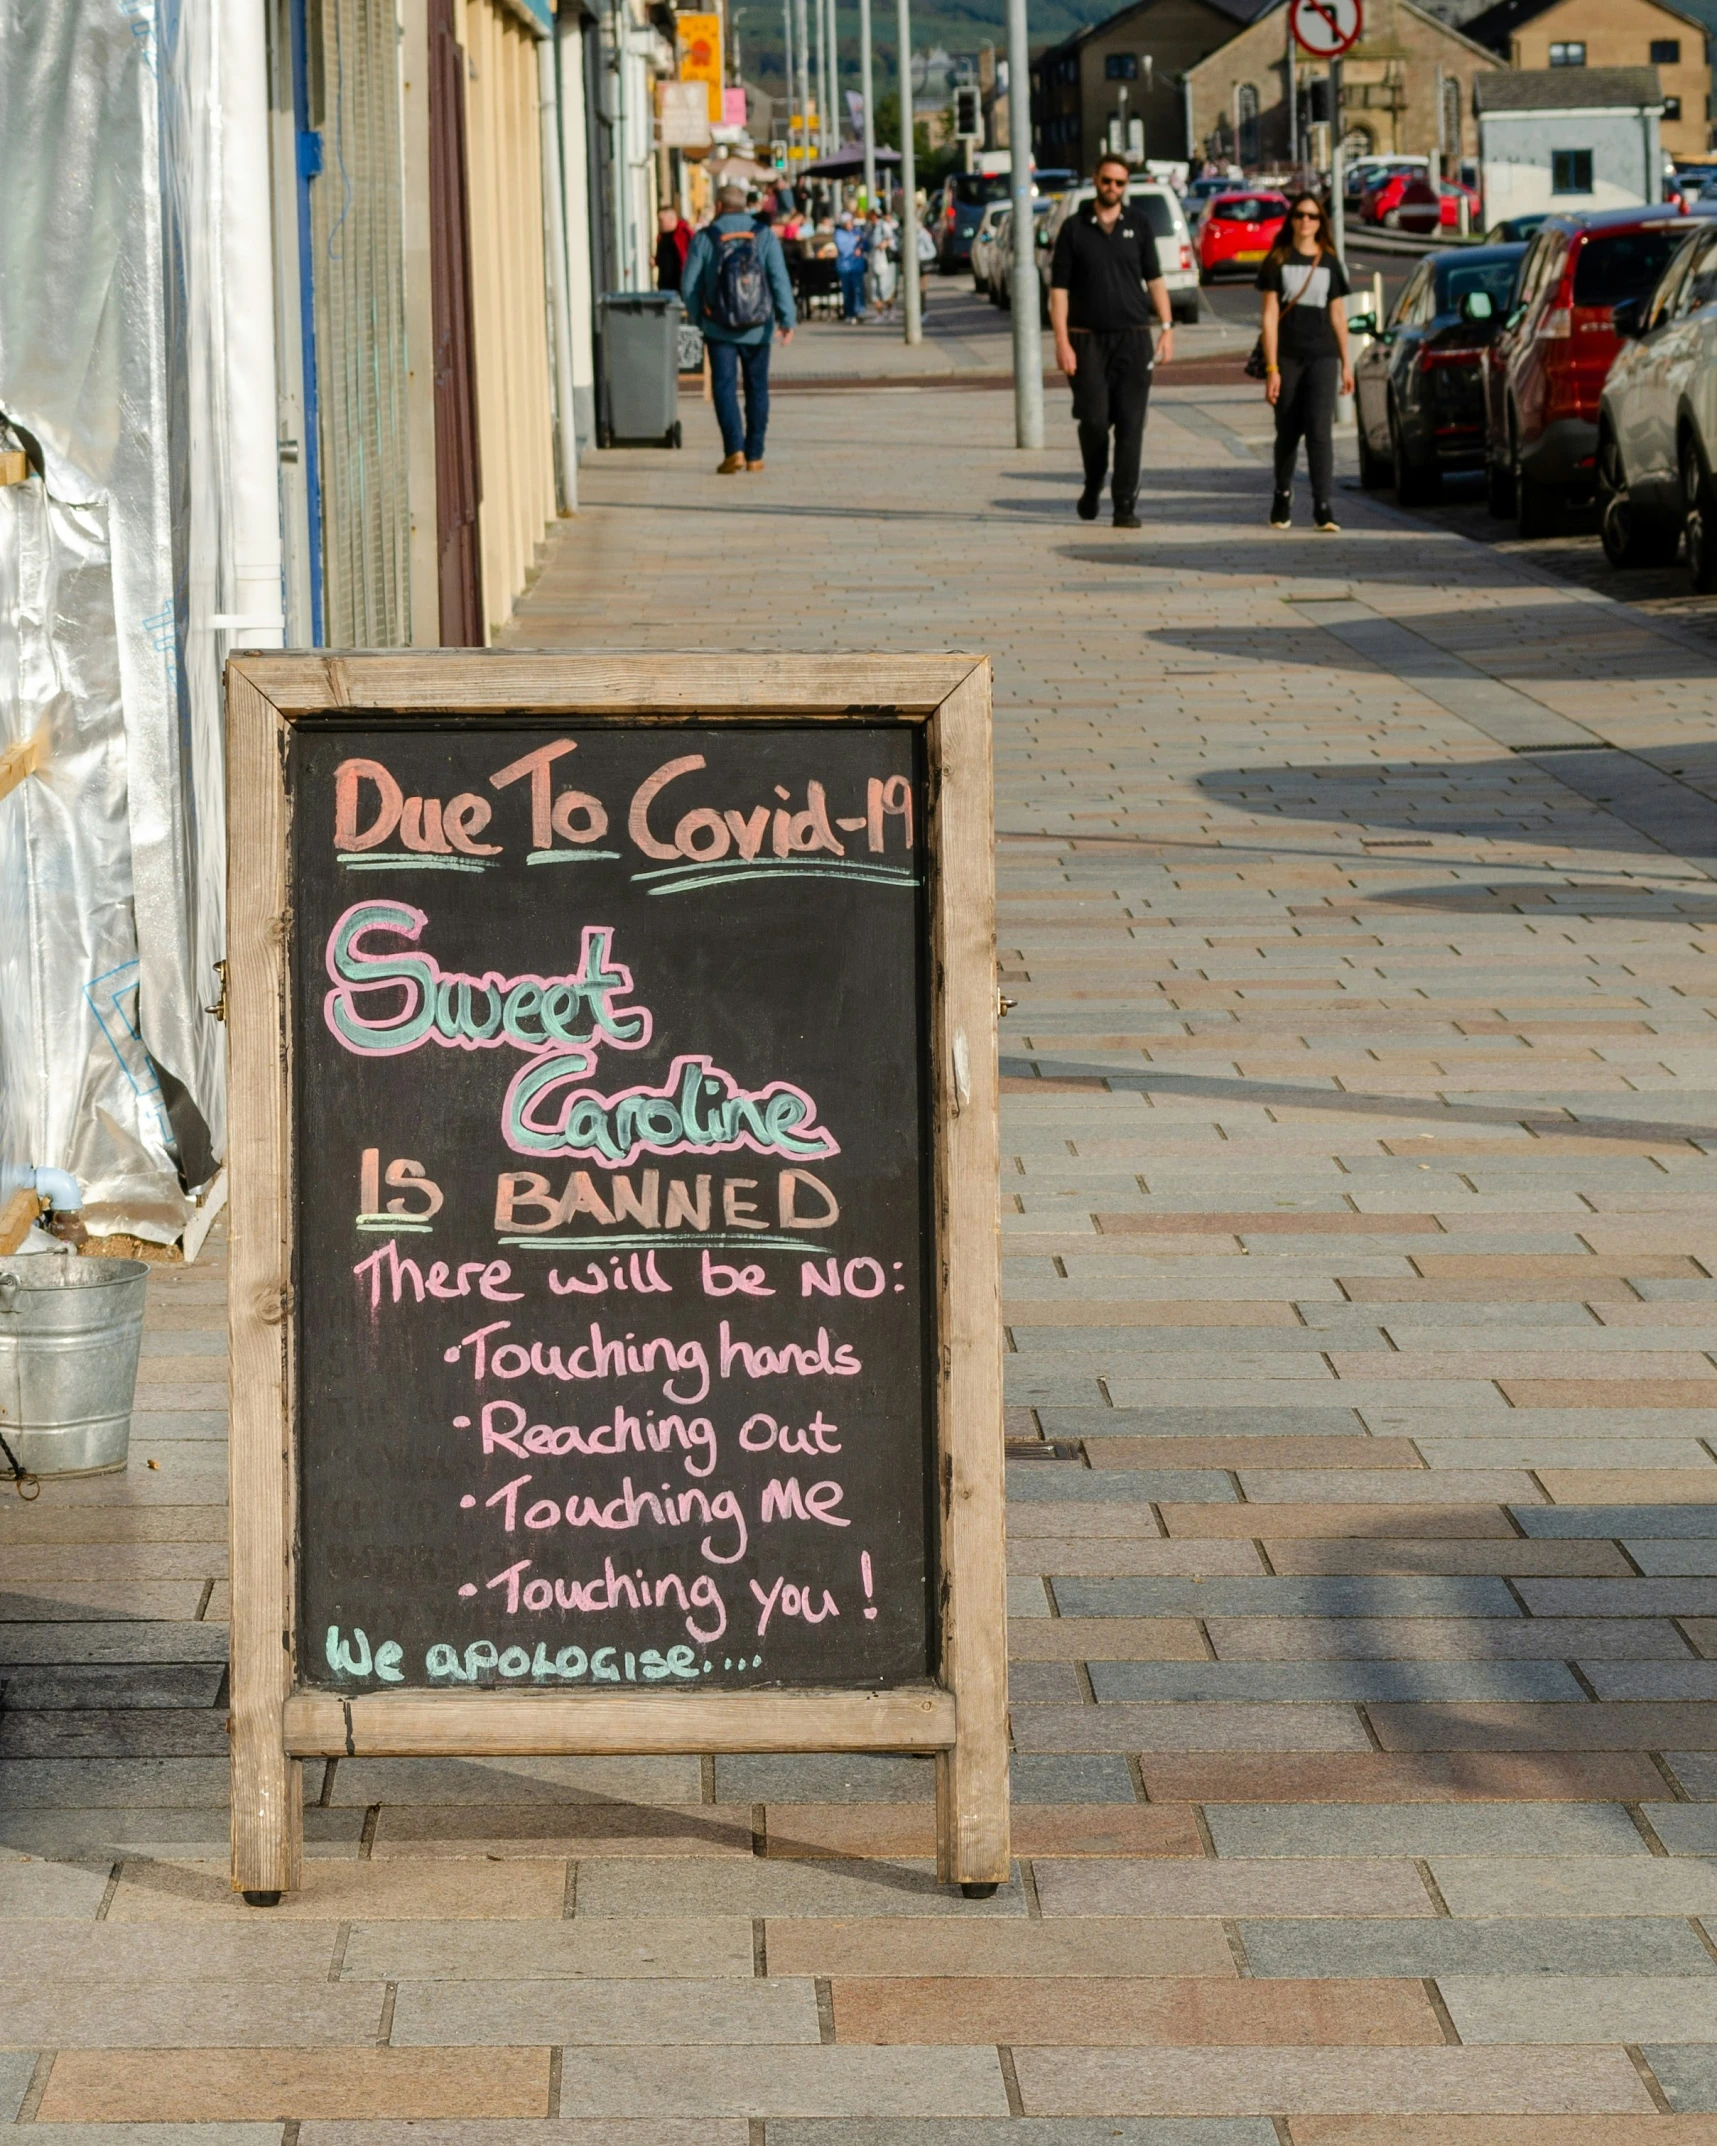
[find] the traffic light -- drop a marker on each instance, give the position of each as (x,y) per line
(968,112)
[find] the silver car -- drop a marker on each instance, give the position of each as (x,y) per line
(1657,419)
(983,242)
(1167,219)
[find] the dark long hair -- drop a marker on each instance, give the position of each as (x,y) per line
(1285,237)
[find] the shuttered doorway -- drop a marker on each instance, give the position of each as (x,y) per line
(358,278)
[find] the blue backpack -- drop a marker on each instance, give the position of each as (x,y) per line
(740,298)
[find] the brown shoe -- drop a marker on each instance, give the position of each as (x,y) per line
(758,464)
(727,467)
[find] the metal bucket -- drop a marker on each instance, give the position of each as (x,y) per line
(70,1331)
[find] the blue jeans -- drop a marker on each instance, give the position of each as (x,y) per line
(726,362)
(852,289)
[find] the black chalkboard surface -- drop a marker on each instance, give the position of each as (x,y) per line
(615,1318)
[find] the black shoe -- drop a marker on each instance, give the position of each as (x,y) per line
(1324,522)
(1087,508)
(1125,518)
(1281,516)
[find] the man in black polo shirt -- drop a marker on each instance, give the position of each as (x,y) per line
(1106,287)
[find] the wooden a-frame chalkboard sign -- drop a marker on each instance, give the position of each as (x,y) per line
(615,1314)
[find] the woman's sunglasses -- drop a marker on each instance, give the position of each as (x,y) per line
(1308,216)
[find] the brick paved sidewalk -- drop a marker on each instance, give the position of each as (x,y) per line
(1363,1386)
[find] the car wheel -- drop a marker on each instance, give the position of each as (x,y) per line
(1629,537)
(1185,310)
(1417,484)
(1535,505)
(1498,488)
(1701,523)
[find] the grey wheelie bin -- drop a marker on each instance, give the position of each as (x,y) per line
(640,381)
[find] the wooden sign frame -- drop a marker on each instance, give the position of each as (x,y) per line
(961,1716)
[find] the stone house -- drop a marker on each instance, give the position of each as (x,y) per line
(1131,64)
(1406,91)
(1609,34)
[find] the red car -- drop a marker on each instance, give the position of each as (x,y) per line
(1451,193)
(1546,369)
(1403,201)
(1237,231)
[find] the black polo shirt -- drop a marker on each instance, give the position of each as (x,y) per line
(1104,273)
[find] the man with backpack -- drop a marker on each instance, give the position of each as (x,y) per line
(737,291)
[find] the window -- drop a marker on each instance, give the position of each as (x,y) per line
(1121,67)
(1568,55)
(1570,171)
(1672,108)
(1246,122)
(1666,52)
(1622,264)
(1702,281)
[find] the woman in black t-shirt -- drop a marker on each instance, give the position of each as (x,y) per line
(1305,353)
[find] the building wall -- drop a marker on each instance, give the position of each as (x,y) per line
(1391,84)
(1516,171)
(1075,99)
(509,304)
(1621,33)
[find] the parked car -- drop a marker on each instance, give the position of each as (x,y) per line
(1001,261)
(1514,227)
(1450,194)
(1402,201)
(954,220)
(1161,208)
(1657,419)
(1418,387)
(1360,176)
(983,240)
(1237,230)
(1545,369)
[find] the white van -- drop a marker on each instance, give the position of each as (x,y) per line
(1162,211)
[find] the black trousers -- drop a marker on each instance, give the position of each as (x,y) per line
(1111,389)
(1305,410)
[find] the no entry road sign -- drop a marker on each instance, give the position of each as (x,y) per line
(1326,28)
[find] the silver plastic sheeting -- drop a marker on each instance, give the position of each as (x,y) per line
(110,857)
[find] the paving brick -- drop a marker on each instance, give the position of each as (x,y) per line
(609,1887)
(1626,1485)
(1322,1681)
(516,1780)
(16,2068)
(1097,1945)
(1510,1727)
(1028,2131)
(1441,1947)
(1127,1727)
(1468,1639)
(1319,1520)
(733,2131)
(546,1830)
(200,2014)
(1160,2012)
(1235,1886)
(1684,1828)
(832,2081)
(596,2013)
(470,1951)
(1600,1392)
(1382,1595)
(228,2085)
(1073,1639)
(824,1777)
(1637,1521)
(1391,1777)
(1333,1449)
(1569,2009)
(1579,1885)
(1425,1829)
(1102,1557)
(347,1891)
(1596,1560)
(1220,2082)
(1502,2131)
(1687,2074)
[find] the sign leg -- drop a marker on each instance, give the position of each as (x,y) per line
(267,1809)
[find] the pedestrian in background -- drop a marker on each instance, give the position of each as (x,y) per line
(673,244)
(1304,337)
(1106,288)
(849,266)
(737,291)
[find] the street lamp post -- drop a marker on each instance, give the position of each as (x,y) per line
(909,299)
(1027,293)
(867,90)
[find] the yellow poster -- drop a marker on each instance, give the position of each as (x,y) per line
(700,57)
